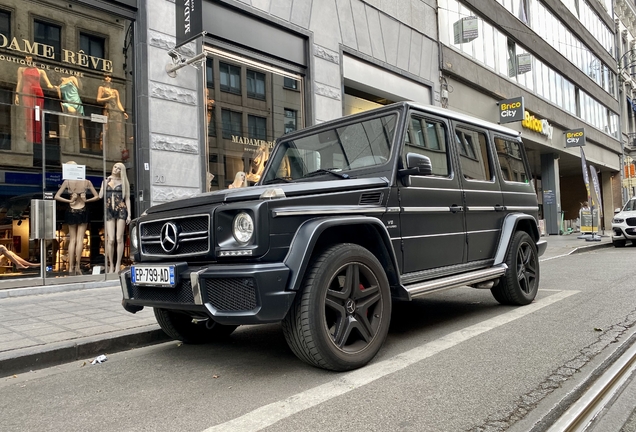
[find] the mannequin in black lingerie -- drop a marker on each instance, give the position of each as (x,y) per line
(76,217)
(118,212)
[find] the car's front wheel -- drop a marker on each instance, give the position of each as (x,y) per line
(520,284)
(619,243)
(183,327)
(341,318)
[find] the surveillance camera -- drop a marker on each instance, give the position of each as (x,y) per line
(172,53)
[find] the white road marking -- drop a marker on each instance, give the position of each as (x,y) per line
(270,414)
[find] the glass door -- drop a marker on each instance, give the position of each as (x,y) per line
(71,156)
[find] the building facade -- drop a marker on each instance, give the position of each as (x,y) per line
(560,57)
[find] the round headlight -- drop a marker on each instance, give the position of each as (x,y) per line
(133,237)
(243,227)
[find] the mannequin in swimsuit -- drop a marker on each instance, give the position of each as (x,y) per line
(117,190)
(68,92)
(76,217)
(28,88)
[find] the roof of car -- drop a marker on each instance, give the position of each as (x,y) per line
(465,118)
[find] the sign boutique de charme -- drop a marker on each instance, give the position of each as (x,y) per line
(38,49)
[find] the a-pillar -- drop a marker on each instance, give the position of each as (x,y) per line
(551,187)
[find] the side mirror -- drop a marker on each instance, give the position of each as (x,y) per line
(417,164)
(617,210)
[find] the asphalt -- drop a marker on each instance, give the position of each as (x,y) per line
(44,326)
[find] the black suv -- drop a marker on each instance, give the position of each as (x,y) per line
(348,217)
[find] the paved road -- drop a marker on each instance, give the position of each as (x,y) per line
(454,361)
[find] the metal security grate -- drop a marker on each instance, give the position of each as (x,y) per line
(193,236)
(182,293)
(232,294)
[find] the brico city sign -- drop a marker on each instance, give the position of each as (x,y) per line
(537,125)
(511,110)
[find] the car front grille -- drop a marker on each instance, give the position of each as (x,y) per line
(231,294)
(182,293)
(193,236)
(630,221)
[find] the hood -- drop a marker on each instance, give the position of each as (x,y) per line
(625,214)
(254,192)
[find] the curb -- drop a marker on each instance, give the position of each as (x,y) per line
(39,357)
(590,247)
(51,289)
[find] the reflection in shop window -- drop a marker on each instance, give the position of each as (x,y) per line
(255,85)
(5,119)
(290,120)
(48,34)
(232,123)
(93,46)
(230,78)
(5,24)
(257,127)
(209,73)
(290,83)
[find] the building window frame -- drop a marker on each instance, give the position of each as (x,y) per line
(232,122)
(88,50)
(255,84)
(7,32)
(230,78)
(257,127)
(48,26)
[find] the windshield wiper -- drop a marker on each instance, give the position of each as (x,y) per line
(326,171)
(277,180)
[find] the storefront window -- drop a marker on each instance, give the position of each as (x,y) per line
(250,117)
(66,121)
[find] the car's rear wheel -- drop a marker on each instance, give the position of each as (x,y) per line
(520,284)
(341,318)
(619,243)
(183,327)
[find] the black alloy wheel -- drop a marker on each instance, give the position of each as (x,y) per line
(520,284)
(341,318)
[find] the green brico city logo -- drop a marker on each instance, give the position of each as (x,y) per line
(74,58)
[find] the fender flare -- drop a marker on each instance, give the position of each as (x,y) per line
(507,231)
(307,235)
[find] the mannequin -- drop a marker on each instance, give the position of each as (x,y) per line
(28,87)
(114,110)
(76,218)
(68,92)
(239,181)
(21,263)
(258,163)
(117,190)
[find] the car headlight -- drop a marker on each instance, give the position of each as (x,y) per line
(243,227)
(133,237)
(618,220)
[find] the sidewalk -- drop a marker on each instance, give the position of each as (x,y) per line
(51,325)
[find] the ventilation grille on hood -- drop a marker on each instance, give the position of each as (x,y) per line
(371,198)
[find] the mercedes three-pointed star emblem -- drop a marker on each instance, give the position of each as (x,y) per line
(169,237)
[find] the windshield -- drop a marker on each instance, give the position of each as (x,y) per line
(358,145)
(630,205)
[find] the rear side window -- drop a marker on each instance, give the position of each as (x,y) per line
(428,137)
(511,160)
(472,147)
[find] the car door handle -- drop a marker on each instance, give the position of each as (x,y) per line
(456,208)
(500,208)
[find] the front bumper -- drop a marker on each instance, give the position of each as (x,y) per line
(229,294)
(623,232)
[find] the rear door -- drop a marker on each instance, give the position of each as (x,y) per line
(483,199)
(431,209)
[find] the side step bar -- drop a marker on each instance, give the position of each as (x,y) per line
(428,287)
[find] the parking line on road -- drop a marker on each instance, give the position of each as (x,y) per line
(270,414)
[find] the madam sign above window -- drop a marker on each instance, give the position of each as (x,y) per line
(78,58)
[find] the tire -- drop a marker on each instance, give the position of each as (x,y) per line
(180,326)
(520,284)
(619,243)
(332,326)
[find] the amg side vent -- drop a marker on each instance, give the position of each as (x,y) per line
(371,198)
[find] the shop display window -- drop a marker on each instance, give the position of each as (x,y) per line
(249,117)
(66,98)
